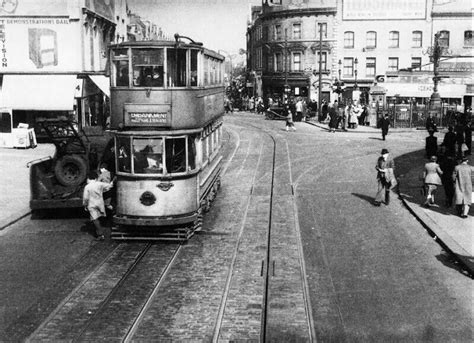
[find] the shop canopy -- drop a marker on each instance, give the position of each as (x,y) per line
(38,92)
(102,82)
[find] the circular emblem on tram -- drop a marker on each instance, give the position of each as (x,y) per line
(147,198)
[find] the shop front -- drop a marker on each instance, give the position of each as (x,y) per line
(28,99)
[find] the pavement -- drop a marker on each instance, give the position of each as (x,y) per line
(452,232)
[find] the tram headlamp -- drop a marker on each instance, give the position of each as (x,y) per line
(147,198)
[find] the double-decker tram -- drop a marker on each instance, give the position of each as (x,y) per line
(166,103)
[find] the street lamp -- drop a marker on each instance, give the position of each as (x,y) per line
(338,85)
(356,62)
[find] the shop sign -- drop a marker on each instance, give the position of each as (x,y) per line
(383,9)
(39,45)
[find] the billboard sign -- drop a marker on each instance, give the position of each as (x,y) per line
(39,45)
(383,9)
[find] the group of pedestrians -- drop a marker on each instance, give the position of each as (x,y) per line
(345,117)
(448,167)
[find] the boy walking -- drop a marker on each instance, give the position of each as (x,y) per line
(93,201)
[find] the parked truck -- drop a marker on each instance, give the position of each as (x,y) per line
(58,181)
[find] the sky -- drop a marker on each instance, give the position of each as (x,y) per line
(218,24)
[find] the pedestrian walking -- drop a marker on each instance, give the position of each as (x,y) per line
(299,109)
(105,176)
(386,180)
(462,177)
(93,201)
(449,142)
(447,164)
(431,123)
(431,145)
(289,119)
(432,179)
(384,125)
(334,118)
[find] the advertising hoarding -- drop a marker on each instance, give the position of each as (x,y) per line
(39,45)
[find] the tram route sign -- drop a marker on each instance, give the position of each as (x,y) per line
(147,115)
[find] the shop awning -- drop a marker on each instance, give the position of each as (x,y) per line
(38,92)
(102,82)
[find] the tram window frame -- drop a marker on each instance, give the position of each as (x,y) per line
(121,67)
(205,151)
(177,67)
(170,164)
(150,70)
(123,154)
(194,70)
(153,159)
(191,152)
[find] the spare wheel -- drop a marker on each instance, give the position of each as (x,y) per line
(70,170)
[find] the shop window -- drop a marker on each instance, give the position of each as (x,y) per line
(392,63)
(147,155)
(393,39)
(175,155)
(349,39)
(148,67)
(417,39)
(371,39)
(468,41)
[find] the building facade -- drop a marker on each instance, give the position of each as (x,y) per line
(53,60)
(363,43)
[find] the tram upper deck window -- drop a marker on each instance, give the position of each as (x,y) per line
(121,71)
(194,68)
(148,155)
(148,68)
(176,62)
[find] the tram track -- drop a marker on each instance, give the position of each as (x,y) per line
(135,292)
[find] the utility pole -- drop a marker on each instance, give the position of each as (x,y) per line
(286,88)
(320,82)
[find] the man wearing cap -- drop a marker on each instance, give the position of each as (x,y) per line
(463,187)
(385,177)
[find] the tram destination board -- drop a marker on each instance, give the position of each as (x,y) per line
(147,115)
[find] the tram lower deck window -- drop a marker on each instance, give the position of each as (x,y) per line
(148,155)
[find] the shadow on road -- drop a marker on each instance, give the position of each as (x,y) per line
(367,198)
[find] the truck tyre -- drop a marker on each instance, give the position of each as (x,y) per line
(70,170)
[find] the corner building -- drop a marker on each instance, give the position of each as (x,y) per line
(53,60)
(364,42)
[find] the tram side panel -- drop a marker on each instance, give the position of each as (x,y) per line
(179,109)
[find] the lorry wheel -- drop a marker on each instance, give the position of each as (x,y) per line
(70,170)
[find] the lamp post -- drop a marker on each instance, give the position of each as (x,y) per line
(287,88)
(356,62)
(435,100)
(338,85)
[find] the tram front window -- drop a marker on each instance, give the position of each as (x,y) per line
(148,67)
(123,154)
(176,155)
(148,155)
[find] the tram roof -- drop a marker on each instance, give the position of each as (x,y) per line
(166,43)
